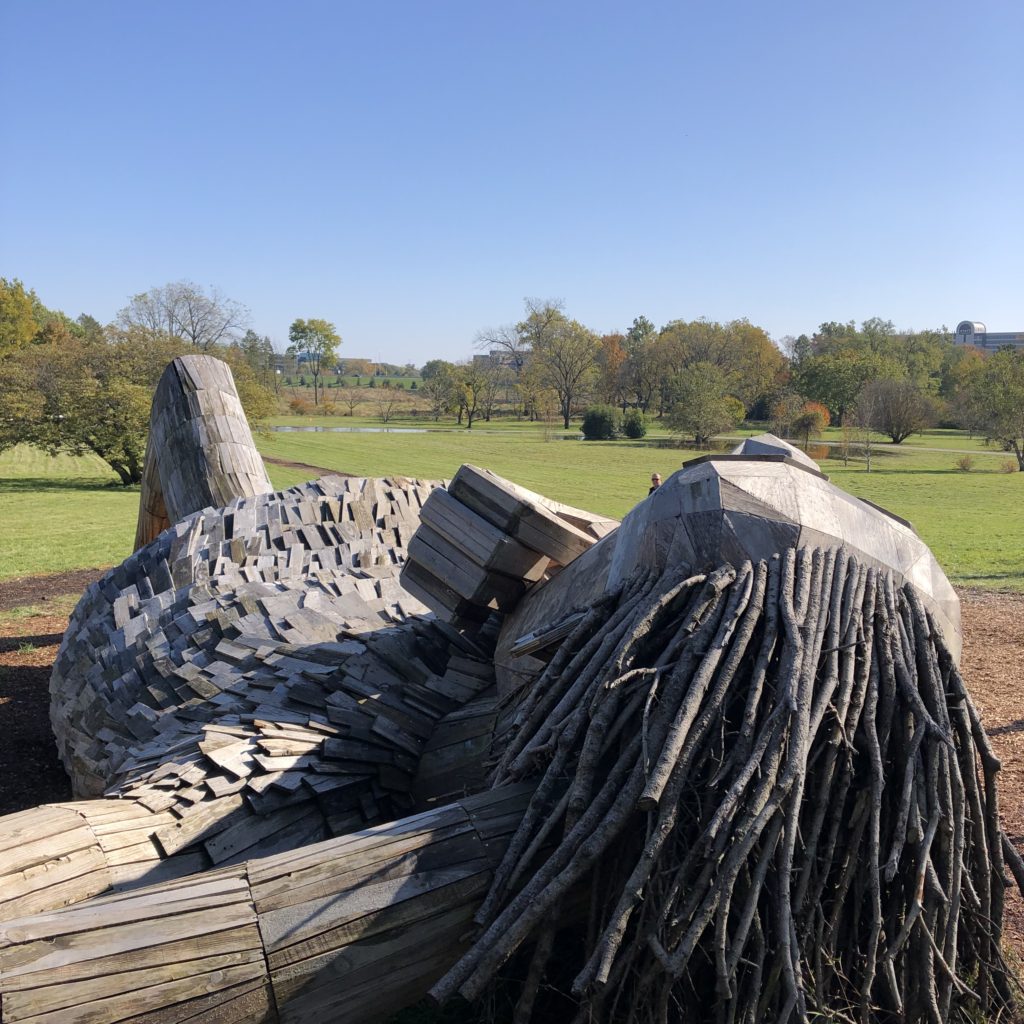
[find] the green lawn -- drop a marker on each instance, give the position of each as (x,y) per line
(61,513)
(58,514)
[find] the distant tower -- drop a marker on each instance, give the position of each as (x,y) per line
(971,333)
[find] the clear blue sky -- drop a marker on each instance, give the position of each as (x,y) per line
(411,171)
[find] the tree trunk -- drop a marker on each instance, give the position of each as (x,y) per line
(127,478)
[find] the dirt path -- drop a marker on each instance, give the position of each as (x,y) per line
(317,470)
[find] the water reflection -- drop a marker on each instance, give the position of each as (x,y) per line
(349,430)
(403,430)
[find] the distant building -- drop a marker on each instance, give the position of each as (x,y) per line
(969,332)
(499,357)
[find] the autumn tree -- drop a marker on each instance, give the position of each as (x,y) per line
(314,343)
(812,418)
(784,412)
(360,367)
(77,387)
(611,361)
(741,350)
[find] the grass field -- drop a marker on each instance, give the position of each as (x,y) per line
(58,514)
(61,513)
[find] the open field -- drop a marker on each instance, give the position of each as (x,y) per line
(969,519)
(61,513)
(65,513)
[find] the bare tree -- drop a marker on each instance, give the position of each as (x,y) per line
(506,343)
(184,311)
(386,402)
(865,419)
(901,408)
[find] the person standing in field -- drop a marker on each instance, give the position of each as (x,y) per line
(655,482)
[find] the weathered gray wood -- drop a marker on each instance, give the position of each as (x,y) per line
(200,452)
(486,545)
(330,921)
(256,678)
(474,583)
(516,512)
(49,857)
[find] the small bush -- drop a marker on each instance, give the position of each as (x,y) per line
(634,424)
(412,386)
(373,382)
(600,423)
(965,463)
(1008,466)
(300,406)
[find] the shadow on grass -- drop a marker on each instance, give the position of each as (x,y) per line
(16,643)
(24,485)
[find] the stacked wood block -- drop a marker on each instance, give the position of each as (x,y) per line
(483,541)
(254,680)
(347,930)
(456,758)
(200,452)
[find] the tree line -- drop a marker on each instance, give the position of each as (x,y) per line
(703,378)
(77,386)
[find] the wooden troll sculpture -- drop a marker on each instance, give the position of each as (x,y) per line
(361,739)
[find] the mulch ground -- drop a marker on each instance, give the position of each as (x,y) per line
(31,773)
(37,590)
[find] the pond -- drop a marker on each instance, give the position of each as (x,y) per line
(398,430)
(350,430)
